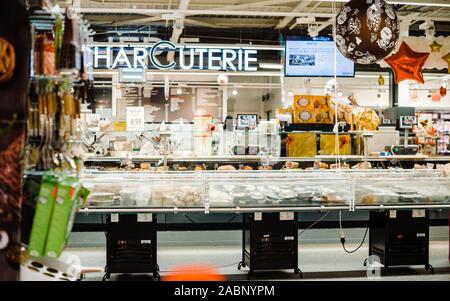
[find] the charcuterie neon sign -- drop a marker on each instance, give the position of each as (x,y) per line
(239,59)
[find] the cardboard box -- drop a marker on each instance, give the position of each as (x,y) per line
(67,200)
(43,215)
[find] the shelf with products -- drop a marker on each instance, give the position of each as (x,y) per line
(59,83)
(439,121)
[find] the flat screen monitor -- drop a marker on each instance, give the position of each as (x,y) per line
(314,57)
(247,120)
(408,122)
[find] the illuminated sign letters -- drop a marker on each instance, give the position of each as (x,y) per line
(214,58)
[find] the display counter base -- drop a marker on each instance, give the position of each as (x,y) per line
(131,244)
(399,238)
(270,242)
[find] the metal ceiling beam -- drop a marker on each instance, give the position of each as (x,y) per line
(177,27)
(141,11)
(253,4)
(139,21)
(203,23)
(299,8)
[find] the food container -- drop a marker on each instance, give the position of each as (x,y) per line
(101,199)
(127,198)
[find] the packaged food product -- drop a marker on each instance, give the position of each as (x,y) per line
(42,217)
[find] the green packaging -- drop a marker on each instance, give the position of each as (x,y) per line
(67,200)
(43,214)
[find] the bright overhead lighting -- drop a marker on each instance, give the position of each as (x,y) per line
(234,92)
(179,91)
(270,66)
(290,93)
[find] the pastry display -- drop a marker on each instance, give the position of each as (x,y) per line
(291,165)
(199,167)
(226,167)
(339,165)
(320,165)
(265,167)
(357,117)
(362,165)
(246,167)
(145,166)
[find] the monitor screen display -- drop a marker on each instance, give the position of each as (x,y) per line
(308,57)
(408,122)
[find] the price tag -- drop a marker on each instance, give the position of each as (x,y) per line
(286,216)
(144,217)
(120,126)
(418,213)
(135,119)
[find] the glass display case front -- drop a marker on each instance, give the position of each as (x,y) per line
(231,191)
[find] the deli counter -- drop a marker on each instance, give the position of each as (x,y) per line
(276,190)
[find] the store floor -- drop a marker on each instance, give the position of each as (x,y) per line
(317,261)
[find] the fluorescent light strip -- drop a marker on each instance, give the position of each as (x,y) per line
(131,45)
(200,73)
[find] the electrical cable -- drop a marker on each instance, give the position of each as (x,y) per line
(103,224)
(342,236)
(192,221)
(231,219)
(313,224)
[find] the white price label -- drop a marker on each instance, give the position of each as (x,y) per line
(392,214)
(135,119)
(144,217)
(418,213)
(114,218)
(286,216)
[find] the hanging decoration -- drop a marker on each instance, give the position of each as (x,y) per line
(443,91)
(435,46)
(447,59)
(166,88)
(7,60)
(222,79)
(380,80)
(366,31)
(407,64)
(333,88)
(436,96)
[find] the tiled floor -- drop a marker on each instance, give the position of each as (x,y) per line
(317,261)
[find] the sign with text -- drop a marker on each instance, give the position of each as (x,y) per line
(186,58)
(135,119)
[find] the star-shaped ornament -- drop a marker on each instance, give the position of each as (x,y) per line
(447,59)
(407,64)
(435,47)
